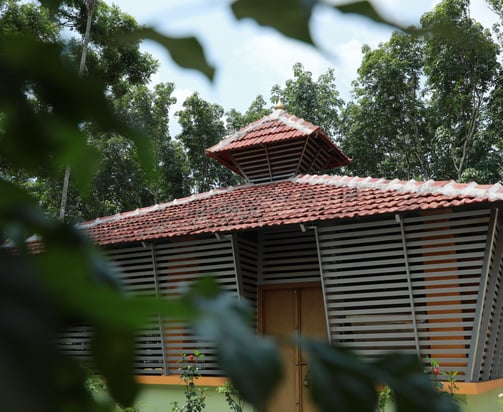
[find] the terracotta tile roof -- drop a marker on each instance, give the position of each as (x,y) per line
(302,199)
(277,127)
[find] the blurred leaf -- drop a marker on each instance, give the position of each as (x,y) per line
(42,138)
(114,351)
(35,376)
(412,388)
(251,362)
(187,52)
(366,9)
(339,379)
(288,17)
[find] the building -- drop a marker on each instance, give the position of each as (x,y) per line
(373,264)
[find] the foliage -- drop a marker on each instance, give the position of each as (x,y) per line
(383,397)
(422,103)
(195,398)
(232,397)
(202,127)
(97,387)
(449,377)
(315,101)
(235,120)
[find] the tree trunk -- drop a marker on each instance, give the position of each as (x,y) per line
(66,181)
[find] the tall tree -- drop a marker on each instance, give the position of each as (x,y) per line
(90,4)
(420,101)
(316,101)
(234,120)
(120,64)
(202,127)
(112,54)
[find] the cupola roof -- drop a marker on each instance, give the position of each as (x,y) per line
(277,147)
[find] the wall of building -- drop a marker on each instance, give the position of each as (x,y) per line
(484,402)
(159,398)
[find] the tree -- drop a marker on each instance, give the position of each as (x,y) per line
(203,127)
(149,110)
(235,120)
(18,18)
(315,101)
(117,62)
(384,129)
(420,102)
(90,4)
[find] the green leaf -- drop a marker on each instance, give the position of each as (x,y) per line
(34,374)
(222,320)
(412,388)
(339,380)
(114,351)
(288,17)
(366,9)
(187,52)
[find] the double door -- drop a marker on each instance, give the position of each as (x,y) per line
(286,311)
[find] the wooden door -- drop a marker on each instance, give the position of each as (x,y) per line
(286,311)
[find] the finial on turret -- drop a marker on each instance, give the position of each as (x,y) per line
(279,105)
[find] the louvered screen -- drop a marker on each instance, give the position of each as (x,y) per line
(366,287)
(247,255)
(446,254)
(487,353)
(75,341)
(178,265)
(137,278)
(289,256)
(368,268)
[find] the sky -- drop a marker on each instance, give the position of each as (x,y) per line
(250,59)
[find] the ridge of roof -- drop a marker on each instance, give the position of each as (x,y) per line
(280,115)
(447,188)
(443,187)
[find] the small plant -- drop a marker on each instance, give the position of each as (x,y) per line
(232,396)
(96,383)
(383,397)
(449,376)
(195,398)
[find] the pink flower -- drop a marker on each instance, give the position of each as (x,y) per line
(190,358)
(436,370)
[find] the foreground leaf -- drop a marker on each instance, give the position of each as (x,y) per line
(412,388)
(251,362)
(187,52)
(340,381)
(291,18)
(366,9)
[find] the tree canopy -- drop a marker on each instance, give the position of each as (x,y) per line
(423,106)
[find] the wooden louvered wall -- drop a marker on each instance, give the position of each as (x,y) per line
(410,284)
(487,345)
(247,259)
(288,255)
(428,284)
(165,270)
(178,265)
